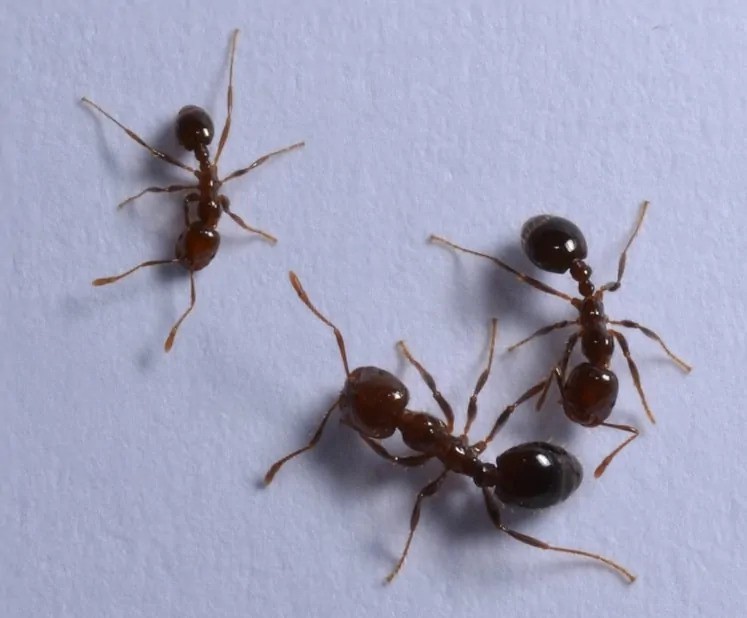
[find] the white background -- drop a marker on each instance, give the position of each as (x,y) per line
(130,478)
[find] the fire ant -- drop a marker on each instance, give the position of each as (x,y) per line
(373,402)
(589,392)
(198,244)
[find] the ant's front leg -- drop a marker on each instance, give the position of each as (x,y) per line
(169,189)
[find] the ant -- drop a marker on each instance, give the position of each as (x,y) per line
(373,402)
(589,392)
(198,244)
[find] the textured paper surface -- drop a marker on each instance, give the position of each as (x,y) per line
(130,477)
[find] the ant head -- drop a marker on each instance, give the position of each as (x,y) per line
(552,243)
(194,127)
(372,402)
(536,475)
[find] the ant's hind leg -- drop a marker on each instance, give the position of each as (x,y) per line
(652,335)
(229,100)
(606,461)
(409,461)
(633,372)
(543,287)
(169,189)
(156,153)
(312,443)
(428,379)
(427,491)
(226,205)
(192,298)
(493,507)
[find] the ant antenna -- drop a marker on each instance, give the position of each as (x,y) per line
(296,283)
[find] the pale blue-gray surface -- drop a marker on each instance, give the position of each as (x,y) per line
(130,477)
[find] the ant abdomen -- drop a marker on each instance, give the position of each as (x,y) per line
(373,401)
(589,394)
(194,127)
(197,246)
(536,475)
(552,243)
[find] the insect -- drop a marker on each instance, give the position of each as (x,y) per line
(373,402)
(198,244)
(589,391)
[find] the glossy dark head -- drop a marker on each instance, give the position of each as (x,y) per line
(536,475)
(373,401)
(552,243)
(194,127)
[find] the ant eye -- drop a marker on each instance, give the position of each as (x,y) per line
(552,243)
(194,127)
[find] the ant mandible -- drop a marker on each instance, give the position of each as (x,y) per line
(198,244)
(373,402)
(589,392)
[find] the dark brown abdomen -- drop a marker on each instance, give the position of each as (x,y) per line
(197,246)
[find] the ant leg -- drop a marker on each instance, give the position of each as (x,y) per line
(409,461)
(192,197)
(472,406)
(170,339)
(493,507)
(615,285)
(260,161)
(312,443)
(169,189)
(519,275)
(108,280)
(226,204)
(156,153)
(427,491)
(562,366)
(506,414)
(428,379)
(633,372)
(652,335)
(305,300)
(229,100)
(543,331)
(606,461)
